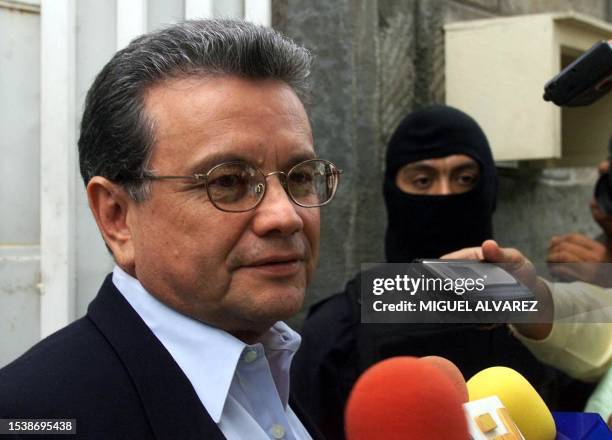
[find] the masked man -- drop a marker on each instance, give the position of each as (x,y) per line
(440,191)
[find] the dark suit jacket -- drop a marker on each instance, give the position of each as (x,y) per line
(108,371)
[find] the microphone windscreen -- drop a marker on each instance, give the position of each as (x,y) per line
(452,372)
(404,398)
(524,404)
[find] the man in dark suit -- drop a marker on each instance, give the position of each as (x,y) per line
(198,159)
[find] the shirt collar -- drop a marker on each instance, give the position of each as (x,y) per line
(207,355)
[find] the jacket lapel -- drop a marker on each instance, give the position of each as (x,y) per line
(168,398)
(305,419)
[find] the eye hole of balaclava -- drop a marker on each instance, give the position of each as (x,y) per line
(454,174)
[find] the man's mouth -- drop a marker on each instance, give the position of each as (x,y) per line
(276,265)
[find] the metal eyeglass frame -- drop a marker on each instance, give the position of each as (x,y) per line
(202,178)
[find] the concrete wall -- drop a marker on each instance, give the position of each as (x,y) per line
(377,61)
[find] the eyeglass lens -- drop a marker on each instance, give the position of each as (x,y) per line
(240,186)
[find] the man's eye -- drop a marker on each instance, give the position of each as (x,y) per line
(421,182)
(467,179)
(228,188)
(227,181)
(301,178)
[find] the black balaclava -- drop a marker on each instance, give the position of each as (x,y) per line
(428,226)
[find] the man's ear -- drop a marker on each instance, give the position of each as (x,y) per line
(110,205)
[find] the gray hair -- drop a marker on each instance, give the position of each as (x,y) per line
(117,136)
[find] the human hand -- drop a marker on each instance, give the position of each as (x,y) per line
(514,262)
(584,257)
(577,248)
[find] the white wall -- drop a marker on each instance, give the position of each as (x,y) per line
(19,180)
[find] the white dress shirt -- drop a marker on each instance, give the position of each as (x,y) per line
(244,388)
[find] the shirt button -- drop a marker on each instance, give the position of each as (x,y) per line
(278,431)
(250,355)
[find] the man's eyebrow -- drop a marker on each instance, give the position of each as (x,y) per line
(418,167)
(205,164)
(301,157)
(467,166)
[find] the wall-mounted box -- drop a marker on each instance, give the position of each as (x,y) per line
(496,70)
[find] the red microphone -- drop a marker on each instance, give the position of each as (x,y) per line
(405,398)
(452,372)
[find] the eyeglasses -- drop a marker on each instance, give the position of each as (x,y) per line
(239,186)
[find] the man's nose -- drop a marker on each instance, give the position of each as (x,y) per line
(277,213)
(443,187)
